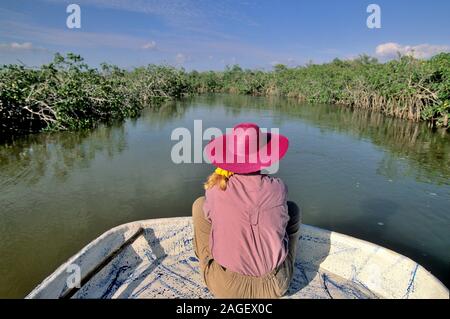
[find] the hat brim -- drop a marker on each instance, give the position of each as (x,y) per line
(265,157)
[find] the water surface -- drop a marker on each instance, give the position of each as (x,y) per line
(362,174)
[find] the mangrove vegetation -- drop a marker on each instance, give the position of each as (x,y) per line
(406,88)
(67,94)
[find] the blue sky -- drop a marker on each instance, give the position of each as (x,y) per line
(210,34)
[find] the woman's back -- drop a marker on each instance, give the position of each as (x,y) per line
(249,222)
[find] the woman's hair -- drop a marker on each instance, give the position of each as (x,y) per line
(216,180)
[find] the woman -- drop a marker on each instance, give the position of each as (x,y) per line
(245,231)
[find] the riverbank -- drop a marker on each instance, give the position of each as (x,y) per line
(67,94)
(406,88)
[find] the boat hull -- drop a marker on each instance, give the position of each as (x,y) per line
(155,259)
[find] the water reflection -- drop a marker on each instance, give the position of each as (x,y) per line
(28,159)
(163,114)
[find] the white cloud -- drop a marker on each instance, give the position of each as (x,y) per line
(22,46)
(16,46)
(180,58)
(149,45)
(290,62)
(421,51)
(65,37)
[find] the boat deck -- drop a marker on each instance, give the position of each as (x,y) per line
(155,259)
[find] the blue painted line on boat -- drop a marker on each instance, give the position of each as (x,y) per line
(410,287)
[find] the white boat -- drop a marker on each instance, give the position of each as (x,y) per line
(155,259)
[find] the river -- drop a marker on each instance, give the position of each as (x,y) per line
(376,178)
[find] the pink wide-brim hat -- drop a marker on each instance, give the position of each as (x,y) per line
(246,149)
